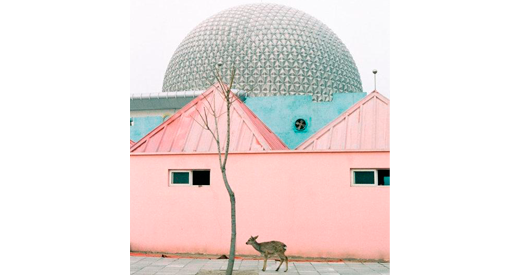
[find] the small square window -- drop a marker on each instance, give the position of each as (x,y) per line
(370,177)
(364,177)
(383,175)
(201,177)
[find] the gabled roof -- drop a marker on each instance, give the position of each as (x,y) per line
(364,126)
(183,132)
(132,143)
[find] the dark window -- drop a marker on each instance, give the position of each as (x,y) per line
(201,177)
(364,177)
(180,177)
(383,176)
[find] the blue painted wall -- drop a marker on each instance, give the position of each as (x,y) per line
(143,125)
(279,113)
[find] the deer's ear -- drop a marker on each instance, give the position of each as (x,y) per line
(255,237)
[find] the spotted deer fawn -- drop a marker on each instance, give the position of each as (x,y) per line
(268,249)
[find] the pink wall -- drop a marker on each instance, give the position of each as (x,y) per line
(303,199)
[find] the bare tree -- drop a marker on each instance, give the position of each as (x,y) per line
(210,110)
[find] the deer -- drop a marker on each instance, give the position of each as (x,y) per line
(268,249)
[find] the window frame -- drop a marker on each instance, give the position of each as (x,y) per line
(171,178)
(190,177)
(375,177)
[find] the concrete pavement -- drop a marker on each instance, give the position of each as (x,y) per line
(186,266)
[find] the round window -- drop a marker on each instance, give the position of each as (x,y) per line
(300,124)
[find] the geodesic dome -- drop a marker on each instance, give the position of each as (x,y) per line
(276,50)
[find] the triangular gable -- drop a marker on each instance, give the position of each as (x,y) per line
(364,126)
(131,143)
(183,132)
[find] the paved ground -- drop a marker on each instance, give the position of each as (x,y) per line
(182,266)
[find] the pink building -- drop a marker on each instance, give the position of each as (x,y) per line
(327,198)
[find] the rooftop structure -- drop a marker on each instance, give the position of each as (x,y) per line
(184,133)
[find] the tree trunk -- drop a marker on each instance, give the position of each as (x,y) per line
(231,261)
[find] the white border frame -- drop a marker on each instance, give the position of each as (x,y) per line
(190,179)
(352,175)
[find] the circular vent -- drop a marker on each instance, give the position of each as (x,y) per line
(300,124)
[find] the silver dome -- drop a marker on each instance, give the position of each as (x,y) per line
(276,50)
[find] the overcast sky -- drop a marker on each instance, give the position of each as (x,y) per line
(158,27)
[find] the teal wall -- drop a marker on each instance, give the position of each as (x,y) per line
(279,113)
(143,125)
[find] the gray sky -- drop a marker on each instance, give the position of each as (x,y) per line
(158,26)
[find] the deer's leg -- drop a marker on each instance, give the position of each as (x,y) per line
(286,259)
(281,258)
(265,262)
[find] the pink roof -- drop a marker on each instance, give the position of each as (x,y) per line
(131,143)
(183,133)
(364,126)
